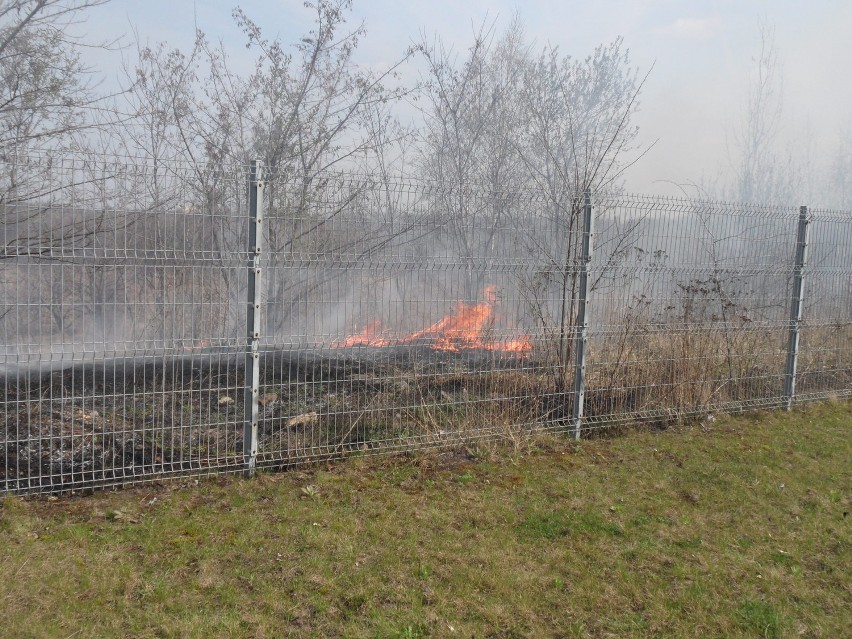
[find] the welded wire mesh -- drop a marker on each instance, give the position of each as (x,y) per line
(825,350)
(394,314)
(690,308)
(118,319)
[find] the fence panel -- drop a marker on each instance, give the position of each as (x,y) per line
(690,308)
(825,349)
(407,314)
(118,320)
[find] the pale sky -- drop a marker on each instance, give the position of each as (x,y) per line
(703,50)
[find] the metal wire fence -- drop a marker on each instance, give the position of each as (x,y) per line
(160,318)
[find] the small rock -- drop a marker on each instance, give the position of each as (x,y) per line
(225,400)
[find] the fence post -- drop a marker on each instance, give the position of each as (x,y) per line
(253,316)
(582,320)
(796,307)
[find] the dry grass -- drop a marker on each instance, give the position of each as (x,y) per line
(697,370)
(737,529)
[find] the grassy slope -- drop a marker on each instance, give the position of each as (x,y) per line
(739,530)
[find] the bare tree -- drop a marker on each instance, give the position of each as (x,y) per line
(578,138)
(840,174)
(302,110)
(45,88)
(501,120)
(469,141)
(47,95)
(765,171)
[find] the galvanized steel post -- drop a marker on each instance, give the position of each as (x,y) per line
(582,321)
(796,307)
(253,317)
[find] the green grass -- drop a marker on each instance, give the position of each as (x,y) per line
(741,530)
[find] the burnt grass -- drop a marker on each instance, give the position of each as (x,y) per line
(119,421)
(116,421)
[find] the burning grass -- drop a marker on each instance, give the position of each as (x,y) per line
(467,327)
(736,529)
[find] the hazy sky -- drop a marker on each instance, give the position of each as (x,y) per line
(703,50)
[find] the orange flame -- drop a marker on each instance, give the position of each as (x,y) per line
(196,346)
(370,335)
(466,327)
